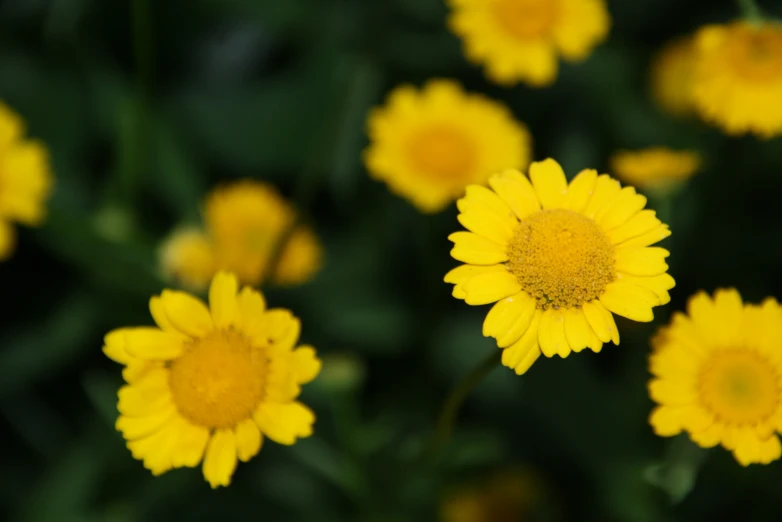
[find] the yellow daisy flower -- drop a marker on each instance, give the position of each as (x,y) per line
(655,168)
(557,260)
(737,81)
(25,179)
(671,76)
(187,256)
(522,40)
(717,374)
(428,145)
(207,384)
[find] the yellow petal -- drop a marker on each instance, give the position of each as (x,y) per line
(114,346)
(521,355)
(485,213)
(281,385)
(190,445)
(186,313)
(629,300)
(666,421)
(626,205)
(709,437)
(516,190)
(649,261)
(490,287)
(729,312)
(550,183)
(138,369)
(220,460)
(138,427)
(658,284)
(146,396)
(509,319)
(606,189)
(595,314)
(156,449)
(770,450)
(284,423)
(577,330)
(461,274)
(279,329)
(580,190)
(153,344)
(251,307)
(672,393)
(305,363)
(222,299)
(475,249)
(650,238)
(248,439)
(643,222)
(158,312)
(551,334)
(695,418)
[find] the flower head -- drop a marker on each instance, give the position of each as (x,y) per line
(737,81)
(245,221)
(428,145)
(557,260)
(655,168)
(671,76)
(25,179)
(208,384)
(522,40)
(717,374)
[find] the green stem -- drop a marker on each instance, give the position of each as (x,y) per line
(456,398)
(751,10)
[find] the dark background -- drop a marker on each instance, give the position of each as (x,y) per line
(145,105)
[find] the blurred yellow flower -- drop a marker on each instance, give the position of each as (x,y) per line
(505,496)
(207,384)
(717,374)
(428,145)
(25,179)
(522,40)
(557,259)
(655,168)
(671,76)
(737,81)
(245,221)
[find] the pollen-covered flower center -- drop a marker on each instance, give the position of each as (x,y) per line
(757,55)
(561,258)
(442,152)
(740,386)
(526,19)
(220,380)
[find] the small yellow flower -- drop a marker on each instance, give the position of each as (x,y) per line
(717,374)
(245,221)
(671,76)
(428,145)
(655,168)
(208,384)
(522,40)
(508,495)
(557,260)
(737,81)
(25,179)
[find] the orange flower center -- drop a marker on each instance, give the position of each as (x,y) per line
(740,386)
(561,258)
(220,380)
(443,153)
(757,54)
(526,19)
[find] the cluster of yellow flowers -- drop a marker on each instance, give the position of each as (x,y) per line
(557,259)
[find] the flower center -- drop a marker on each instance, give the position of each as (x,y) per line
(526,19)
(758,55)
(220,380)
(740,386)
(561,258)
(442,152)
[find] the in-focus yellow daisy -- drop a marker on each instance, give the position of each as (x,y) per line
(671,76)
(25,179)
(522,40)
(428,145)
(737,81)
(718,376)
(506,496)
(208,384)
(655,168)
(557,260)
(245,221)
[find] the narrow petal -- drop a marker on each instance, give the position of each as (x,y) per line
(709,437)
(729,311)
(606,189)
(222,299)
(522,354)
(487,225)
(672,393)
(186,313)
(220,460)
(577,330)
(280,329)
(284,423)
(516,190)
(153,344)
(643,222)
(629,300)
(251,307)
(475,249)
(490,287)
(114,346)
(550,183)
(597,320)
(461,274)
(648,239)
(305,364)
(665,421)
(551,334)
(580,190)
(648,261)
(138,427)
(659,285)
(248,440)
(509,319)
(147,396)
(158,312)
(191,445)
(626,205)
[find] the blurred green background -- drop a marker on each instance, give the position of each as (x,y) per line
(145,105)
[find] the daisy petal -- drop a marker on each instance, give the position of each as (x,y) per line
(551,334)
(490,287)
(516,190)
(222,299)
(248,439)
(190,446)
(649,261)
(626,205)
(521,355)
(153,344)
(550,183)
(606,189)
(595,314)
(629,300)
(665,421)
(284,423)
(509,319)
(643,222)
(187,314)
(580,190)
(577,330)
(475,249)
(220,460)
